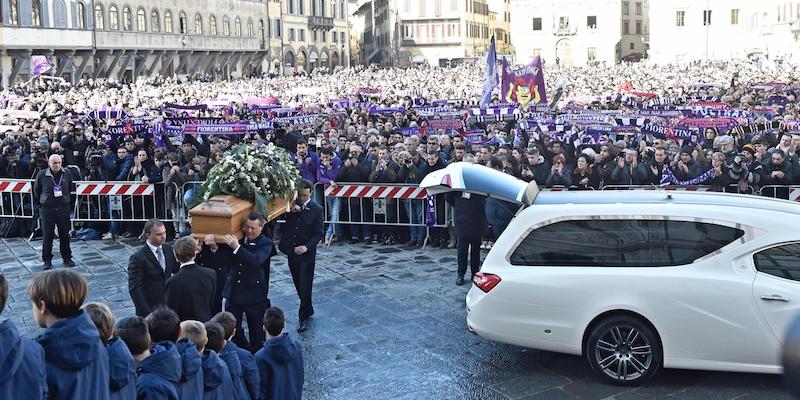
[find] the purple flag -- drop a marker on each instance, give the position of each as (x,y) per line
(39,65)
(524,86)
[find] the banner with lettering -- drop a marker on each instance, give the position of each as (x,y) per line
(525,85)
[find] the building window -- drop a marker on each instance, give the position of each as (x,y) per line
(625,27)
(198,24)
(113,18)
(155,21)
(537,52)
(183,28)
(141,20)
(237,27)
(314,36)
(591,22)
(36,13)
(335,38)
(735,16)
(313,7)
(591,53)
(437,8)
(563,23)
(706,17)
(638,8)
(421,8)
(537,24)
(632,46)
(250,30)
(291,34)
(625,8)
(212,25)
(302,35)
(81,17)
(302,8)
(99,19)
(127,19)
(290,6)
(341,10)
(168,21)
(679,18)
(226,27)
(341,37)
(638,27)
(324,36)
(13,12)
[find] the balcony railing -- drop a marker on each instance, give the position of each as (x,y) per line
(315,22)
(565,30)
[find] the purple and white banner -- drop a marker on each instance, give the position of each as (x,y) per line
(40,65)
(524,86)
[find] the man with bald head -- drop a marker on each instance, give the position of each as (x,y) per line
(51,193)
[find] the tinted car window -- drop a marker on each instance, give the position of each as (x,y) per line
(622,243)
(782,261)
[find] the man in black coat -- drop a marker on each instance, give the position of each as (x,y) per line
(247,279)
(469,220)
(149,268)
(187,291)
(51,195)
(300,235)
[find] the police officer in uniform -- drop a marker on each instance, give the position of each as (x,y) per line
(51,192)
(300,235)
(247,279)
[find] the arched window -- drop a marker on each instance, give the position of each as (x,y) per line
(13,12)
(36,13)
(198,24)
(250,31)
(168,21)
(155,21)
(127,19)
(113,18)
(237,27)
(212,25)
(226,27)
(182,23)
(141,20)
(81,17)
(99,18)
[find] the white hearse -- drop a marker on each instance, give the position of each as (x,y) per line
(636,280)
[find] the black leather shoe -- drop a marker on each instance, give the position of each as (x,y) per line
(47,266)
(460,281)
(303,326)
(69,264)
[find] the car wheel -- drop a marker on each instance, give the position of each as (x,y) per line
(623,350)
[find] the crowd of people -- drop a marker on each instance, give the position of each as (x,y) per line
(729,125)
(84,353)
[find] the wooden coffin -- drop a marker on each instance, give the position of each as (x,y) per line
(224,215)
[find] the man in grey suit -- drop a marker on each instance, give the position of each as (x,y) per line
(149,268)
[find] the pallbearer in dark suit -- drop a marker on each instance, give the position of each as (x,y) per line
(469,219)
(300,235)
(187,292)
(149,268)
(247,279)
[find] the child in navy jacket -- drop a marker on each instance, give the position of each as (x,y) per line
(121,367)
(158,366)
(280,362)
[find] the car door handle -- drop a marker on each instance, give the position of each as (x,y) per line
(775,297)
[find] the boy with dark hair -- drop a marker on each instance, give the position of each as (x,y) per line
(121,367)
(57,296)
(165,326)
(246,379)
(158,368)
(22,371)
(280,362)
(218,383)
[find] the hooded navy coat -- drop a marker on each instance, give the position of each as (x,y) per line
(249,372)
(190,385)
(230,355)
(76,360)
(122,370)
(159,373)
(217,382)
(280,364)
(22,372)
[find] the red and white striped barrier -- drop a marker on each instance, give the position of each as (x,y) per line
(794,194)
(15,187)
(376,192)
(114,189)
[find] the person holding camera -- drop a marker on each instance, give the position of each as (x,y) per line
(51,193)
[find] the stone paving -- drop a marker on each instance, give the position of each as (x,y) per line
(390,324)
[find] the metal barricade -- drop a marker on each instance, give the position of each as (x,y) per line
(123,201)
(786,192)
(16,198)
(381,205)
(698,188)
(559,188)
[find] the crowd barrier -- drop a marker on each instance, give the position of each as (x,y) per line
(358,204)
(382,205)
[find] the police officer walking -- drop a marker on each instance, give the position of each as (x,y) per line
(51,193)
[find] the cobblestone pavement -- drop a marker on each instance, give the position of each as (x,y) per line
(389,324)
